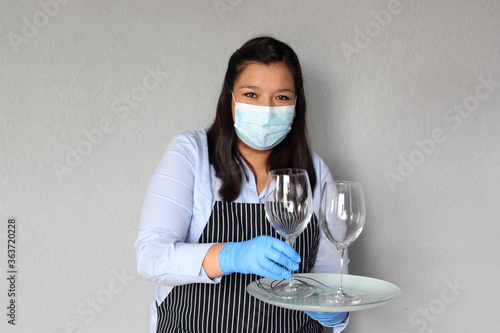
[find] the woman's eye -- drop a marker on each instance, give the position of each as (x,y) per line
(250,94)
(283,98)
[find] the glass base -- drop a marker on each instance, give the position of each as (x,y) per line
(340,297)
(294,289)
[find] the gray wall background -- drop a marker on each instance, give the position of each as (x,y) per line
(403,96)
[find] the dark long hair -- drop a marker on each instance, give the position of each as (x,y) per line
(293,152)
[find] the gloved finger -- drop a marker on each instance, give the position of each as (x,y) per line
(282,259)
(272,275)
(328,318)
(286,250)
(320,315)
(273,271)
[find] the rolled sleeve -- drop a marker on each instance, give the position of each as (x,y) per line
(168,261)
(167,251)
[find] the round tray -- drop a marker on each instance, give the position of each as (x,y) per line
(373,292)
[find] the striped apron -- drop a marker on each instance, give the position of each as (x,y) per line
(226,306)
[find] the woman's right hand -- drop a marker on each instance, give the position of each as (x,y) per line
(261,256)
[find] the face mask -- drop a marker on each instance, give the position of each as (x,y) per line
(262,127)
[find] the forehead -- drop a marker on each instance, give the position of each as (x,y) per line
(272,76)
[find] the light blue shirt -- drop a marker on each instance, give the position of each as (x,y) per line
(177,206)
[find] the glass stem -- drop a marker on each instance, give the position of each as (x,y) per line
(290,241)
(341,266)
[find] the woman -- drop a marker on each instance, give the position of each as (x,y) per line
(203,235)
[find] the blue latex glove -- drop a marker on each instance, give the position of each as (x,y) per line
(260,255)
(328,318)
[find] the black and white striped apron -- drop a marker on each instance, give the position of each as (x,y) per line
(226,306)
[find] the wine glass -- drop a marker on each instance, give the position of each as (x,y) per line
(342,215)
(289,208)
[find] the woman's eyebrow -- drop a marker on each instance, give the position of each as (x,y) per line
(257,88)
(286,90)
(249,87)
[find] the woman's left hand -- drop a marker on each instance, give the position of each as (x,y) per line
(328,318)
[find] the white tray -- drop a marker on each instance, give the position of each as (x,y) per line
(373,292)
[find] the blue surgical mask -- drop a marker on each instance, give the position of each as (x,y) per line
(262,127)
